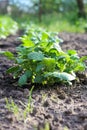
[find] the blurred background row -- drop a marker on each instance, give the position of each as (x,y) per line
(55,15)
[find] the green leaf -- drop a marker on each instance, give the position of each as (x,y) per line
(57,47)
(83,58)
(38,79)
(62,76)
(80,67)
(8,54)
(53,52)
(22,80)
(28,73)
(72,52)
(38,56)
(39,67)
(74,57)
(45,35)
(19,60)
(61,57)
(49,63)
(13,69)
(27,42)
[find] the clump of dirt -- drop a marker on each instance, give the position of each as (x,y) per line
(61,106)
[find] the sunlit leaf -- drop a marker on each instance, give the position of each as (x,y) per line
(57,47)
(62,76)
(7,54)
(72,52)
(84,58)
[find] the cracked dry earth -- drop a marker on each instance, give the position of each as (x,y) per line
(62,107)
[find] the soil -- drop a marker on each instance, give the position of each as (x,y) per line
(63,107)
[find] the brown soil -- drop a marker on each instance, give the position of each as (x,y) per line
(64,108)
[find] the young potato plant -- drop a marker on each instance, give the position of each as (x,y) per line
(40,59)
(7,27)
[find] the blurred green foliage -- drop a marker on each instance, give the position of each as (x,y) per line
(7,27)
(54,22)
(49,6)
(55,15)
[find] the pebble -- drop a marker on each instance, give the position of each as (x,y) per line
(46,103)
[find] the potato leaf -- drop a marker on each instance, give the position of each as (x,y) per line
(8,54)
(37,56)
(13,69)
(84,58)
(57,47)
(72,52)
(49,63)
(62,76)
(28,73)
(22,80)
(38,79)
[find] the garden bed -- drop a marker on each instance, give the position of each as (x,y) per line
(63,107)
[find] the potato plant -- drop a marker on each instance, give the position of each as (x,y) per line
(7,27)
(40,59)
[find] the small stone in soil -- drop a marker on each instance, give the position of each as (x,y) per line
(68,100)
(48,116)
(46,103)
(68,112)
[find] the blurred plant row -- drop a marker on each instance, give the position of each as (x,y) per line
(55,15)
(7,27)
